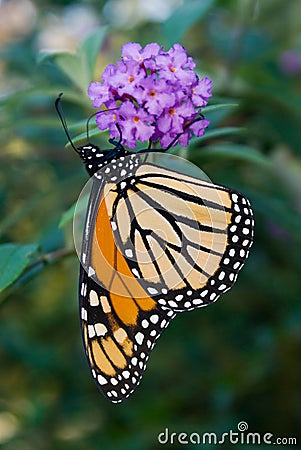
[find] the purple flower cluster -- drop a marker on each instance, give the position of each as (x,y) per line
(152,95)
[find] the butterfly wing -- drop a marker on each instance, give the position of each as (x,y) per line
(120,321)
(117,353)
(155,243)
(184,239)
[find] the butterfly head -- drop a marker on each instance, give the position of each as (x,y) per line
(94,158)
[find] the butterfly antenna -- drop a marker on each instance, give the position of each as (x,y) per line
(61,115)
(88,123)
(95,114)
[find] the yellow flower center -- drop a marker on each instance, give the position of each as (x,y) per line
(152,93)
(136,119)
(172,111)
(172,69)
(131,79)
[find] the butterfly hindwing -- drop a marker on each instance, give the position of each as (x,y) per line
(117,353)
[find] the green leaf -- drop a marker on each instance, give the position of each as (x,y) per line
(89,50)
(184,17)
(78,207)
(72,67)
(14,260)
(21,98)
(83,136)
(230,151)
(67,216)
(217,113)
(211,108)
(276,210)
(218,132)
(79,67)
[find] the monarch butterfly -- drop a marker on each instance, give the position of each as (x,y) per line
(156,242)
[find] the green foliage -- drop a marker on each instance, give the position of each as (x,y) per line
(79,67)
(191,12)
(231,152)
(237,360)
(14,260)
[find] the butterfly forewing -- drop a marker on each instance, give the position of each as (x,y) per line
(184,239)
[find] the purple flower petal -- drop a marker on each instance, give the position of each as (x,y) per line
(131,50)
(198,127)
(201,92)
(184,138)
(108,72)
(164,123)
(166,139)
(105,119)
(150,50)
(99,93)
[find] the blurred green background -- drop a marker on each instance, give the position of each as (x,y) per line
(238,360)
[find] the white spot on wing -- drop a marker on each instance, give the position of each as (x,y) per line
(172,304)
(83,290)
(100,329)
(152,291)
(101,380)
(154,318)
(84,314)
(139,338)
(93,297)
(221,275)
(91,331)
(197,301)
(129,253)
(136,273)
(144,323)
(91,271)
